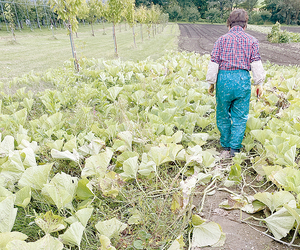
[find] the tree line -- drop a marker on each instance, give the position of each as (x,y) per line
(217,11)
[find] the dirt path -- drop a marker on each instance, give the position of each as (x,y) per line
(200,38)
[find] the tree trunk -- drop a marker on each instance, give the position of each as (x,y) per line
(104,33)
(73,47)
(133,36)
(115,40)
(93,33)
(142,32)
(153,30)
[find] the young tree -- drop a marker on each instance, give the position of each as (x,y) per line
(154,13)
(83,13)
(114,15)
(93,11)
(141,17)
(10,19)
(129,14)
(68,10)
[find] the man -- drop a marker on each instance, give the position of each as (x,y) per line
(233,56)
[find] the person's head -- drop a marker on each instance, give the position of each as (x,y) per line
(238,17)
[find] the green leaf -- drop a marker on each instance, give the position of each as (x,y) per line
(110,228)
(71,144)
(130,168)
(254,123)
(177,244)
(208,159)
(65,155)
(46,243)
(197,220)
(29,156)
(146,167)
(235,173)
(207,234)
(20,116)
(97,164)
(10,236)
(35,177)
(294,212)
(84,189)
(7,214)
(159,155)
(135,218)
(73,234)
(280,223)
(110,184)
(113,92)
(50,222)
(61,189)
(126,136)
(105,243)
(7,145)
(138,244)
(274,200)
(82,215)
(13,168)
(23,197)
(262,135)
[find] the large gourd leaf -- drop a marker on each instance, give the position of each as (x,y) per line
(110,228)
(97,164)
(50,222)
(82,215)
(281,222)
(208,234)
(73,235)
(7,214)
(13,168)
(10,236)
(46,243)
(29,156)
(84,189)
(105,243)
(6,145)
(61,189)
(130,168)
(35,177)
(65,155)
(177,244)
(275,200)
(23,197)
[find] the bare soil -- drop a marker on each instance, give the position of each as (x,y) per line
(200,38)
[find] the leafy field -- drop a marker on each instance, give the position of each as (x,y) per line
(112,156)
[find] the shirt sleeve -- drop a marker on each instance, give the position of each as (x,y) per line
(255,56)
(215,54)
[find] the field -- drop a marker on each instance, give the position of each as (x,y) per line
(40,50)
(124,154)
(201,38)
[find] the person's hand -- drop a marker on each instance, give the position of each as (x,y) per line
(211,89)
(259,91)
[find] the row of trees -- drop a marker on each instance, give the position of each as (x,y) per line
(113,11)
(283,11)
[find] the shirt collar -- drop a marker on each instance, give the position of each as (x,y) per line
(236,28)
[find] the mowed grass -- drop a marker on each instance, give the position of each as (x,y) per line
(39,50)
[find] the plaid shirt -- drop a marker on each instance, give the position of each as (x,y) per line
(235,50)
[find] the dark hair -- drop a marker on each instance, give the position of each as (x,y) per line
(238,17)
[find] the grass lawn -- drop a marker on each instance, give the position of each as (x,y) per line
(39,50)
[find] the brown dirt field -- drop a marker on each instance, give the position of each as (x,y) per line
(200,38)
